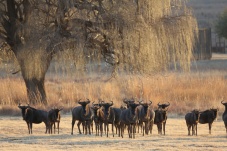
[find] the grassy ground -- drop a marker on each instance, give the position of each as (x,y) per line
(14,136)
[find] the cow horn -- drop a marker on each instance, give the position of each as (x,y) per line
(79,100)
(150,102)
(125,101)
(111,103)
(222,102)
(158,103)
(140,102)
(88,101)
(167,104)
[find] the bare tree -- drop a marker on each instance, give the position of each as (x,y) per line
(136,36)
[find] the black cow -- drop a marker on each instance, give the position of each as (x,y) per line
(160,120)
(103,116)
(129,118)
(114,115)
(224,115)
(145,116)
(192,120)
(80,114)
(208,116)
(32,115)
(96,119)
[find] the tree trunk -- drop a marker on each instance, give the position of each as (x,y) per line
(34,65)
(36,90)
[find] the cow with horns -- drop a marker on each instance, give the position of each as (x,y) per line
(83,114)
(145,116)
(161,117)
(224,115)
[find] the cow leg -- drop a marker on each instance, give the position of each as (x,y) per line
(151,126)
(54,128)
(189,128)
(78,125)
(50,129)
(210,124)
(113,129)
(122,130)
(58,126)
(196,129)
(47,124)
(193,129)
(134,130)
(31,127)
(164,128)
(129,130)
(73,123)
(101,128)
(119,129)
(83,124)
(28,127)
(89,128)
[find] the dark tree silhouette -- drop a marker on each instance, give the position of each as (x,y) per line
(133,35)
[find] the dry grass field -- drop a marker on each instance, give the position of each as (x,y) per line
(14,136)
(202,88)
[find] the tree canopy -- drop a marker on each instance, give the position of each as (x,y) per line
(135,36)
(221,25)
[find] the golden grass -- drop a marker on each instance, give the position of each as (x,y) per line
(204,87)
(184,91)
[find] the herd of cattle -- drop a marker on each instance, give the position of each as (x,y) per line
(129,117)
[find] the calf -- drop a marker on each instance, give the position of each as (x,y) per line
(54,116)
(208,116)
(32,115)
(192,120)
(224,115)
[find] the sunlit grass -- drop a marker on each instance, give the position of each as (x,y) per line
(184,91)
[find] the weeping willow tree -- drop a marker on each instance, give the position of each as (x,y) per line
(134,36)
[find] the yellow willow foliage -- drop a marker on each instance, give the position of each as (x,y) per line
(164,32)
(146,36)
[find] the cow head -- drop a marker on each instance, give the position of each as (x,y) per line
(145,106)
(23,110)
(197,114)
(163,106)
(84,104)
(106,107)
(128,101)
(132,107)
(215,111)
(224,103)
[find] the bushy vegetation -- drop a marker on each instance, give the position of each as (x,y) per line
(221,24)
